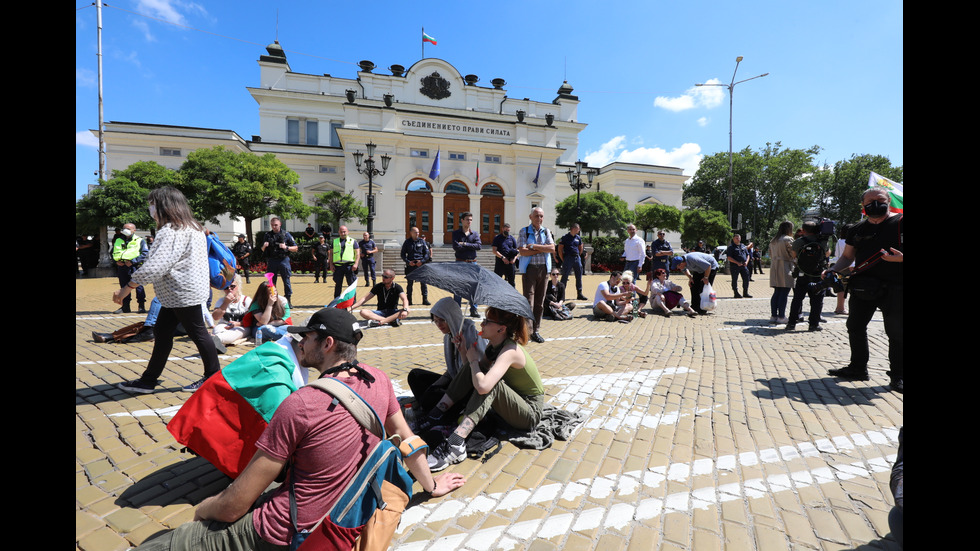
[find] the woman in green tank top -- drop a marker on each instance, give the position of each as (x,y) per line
(504,380)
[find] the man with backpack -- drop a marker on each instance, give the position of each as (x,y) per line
(811,260)
(318,439)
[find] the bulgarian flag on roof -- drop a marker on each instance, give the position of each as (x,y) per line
(224,418)
(895,189)
(427,38)
(346,299)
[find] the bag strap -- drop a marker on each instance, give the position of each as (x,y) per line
(359,409)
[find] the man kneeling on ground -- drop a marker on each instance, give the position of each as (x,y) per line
(324,446)
(388,293)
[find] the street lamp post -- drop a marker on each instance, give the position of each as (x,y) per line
(731,90)
(371,172)
(575,180)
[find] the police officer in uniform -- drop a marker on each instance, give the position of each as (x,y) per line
(343,260)
(129,251)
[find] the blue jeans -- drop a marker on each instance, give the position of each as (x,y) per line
(269,333)
(632,265)
(777,304)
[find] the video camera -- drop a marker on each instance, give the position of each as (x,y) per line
(826,228)
(833,280)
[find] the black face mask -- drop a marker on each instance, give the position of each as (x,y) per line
(875,209)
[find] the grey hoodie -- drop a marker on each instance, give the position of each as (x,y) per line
(447,309)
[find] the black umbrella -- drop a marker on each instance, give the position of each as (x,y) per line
(474,283)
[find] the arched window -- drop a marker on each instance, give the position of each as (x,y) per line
(418,184)
(492,190)
(457,187)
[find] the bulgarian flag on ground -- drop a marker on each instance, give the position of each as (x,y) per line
(346,299)
(895,189)
(224,418)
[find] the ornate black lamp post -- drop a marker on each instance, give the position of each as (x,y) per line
(371,172)
(575,180)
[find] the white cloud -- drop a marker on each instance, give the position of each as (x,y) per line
(86,139)
(686,157)
(171,11)
(696,96)
(85,77)
(703,121)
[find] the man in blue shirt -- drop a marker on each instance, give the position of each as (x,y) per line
(660,251)
(738,262)
(466,242)
(505,251)
(368,248)
(700,269)
(570,254)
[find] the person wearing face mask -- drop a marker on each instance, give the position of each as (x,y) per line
(505,250)
(876,246)
(129,251)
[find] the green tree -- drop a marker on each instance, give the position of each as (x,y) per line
(769,185)
(657,216)
(122,199)
(242,185)
(600,212)
(710,225)
(840,187)
(338,207)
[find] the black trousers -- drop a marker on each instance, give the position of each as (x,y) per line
(192,318)
(892,307)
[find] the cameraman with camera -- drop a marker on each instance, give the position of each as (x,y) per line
(811,261)
(876,245)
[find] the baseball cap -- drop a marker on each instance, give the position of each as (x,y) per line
(332,322)
(676,261)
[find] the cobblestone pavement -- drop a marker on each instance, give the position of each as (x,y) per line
(718,432)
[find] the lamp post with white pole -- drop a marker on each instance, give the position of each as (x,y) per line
(731,90)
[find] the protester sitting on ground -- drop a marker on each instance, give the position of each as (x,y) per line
(637,297)
(429,387)
(388,293)
(504,378)
(667,294)
(609,303)
(322,445)
(229,312)
(269,314)
(555,306)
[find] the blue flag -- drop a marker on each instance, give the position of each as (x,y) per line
(434,173)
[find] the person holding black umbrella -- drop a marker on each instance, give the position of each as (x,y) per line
(504,379)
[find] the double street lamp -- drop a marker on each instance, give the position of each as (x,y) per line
(575,180)
(371,172)
(731,90)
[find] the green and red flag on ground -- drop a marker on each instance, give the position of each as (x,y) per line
(346,299)
(224,418)
(895,190)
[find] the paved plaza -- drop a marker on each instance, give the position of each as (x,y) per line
(718,432)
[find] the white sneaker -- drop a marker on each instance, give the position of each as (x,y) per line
(445,455)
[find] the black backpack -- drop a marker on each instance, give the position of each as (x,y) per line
(812,259)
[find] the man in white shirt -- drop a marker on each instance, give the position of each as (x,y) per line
(634,250)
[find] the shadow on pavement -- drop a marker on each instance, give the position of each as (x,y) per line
(818,391)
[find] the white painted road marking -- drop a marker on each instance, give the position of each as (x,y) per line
(619,515)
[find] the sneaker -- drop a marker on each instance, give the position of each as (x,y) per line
(737,295)
(118,311)
(815,328)
(581,297)
(772,320)
(218,345)
(396,322)
(374,323)
(445,455)
(193,386)
(897,385)
(850,373)
(536,337)
(791,327)
(136,386)
(746,295)
(425,302)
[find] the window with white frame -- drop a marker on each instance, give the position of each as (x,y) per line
(325,169)
(424,153)
(170,152)
(491,159)
(302,131)
(457,156)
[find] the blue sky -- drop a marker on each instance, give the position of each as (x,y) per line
(835,68)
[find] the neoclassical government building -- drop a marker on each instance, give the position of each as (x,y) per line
(499,156)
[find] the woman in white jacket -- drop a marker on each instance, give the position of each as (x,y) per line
(177,267)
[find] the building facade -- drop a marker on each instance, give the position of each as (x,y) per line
(499,157)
